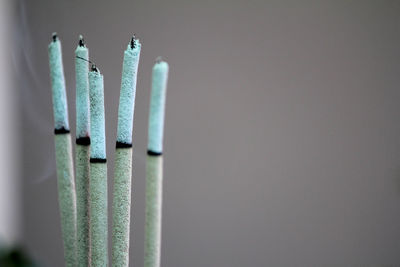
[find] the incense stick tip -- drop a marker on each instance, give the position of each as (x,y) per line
(54,36)
(159,59)
(94,68)
(133,41)
(81,41)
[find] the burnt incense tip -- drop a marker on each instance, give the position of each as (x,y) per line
(159,59)
(81,41)
(54,36)
(94,68)
(133,41)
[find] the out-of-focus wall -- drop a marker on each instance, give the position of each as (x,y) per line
(9,142)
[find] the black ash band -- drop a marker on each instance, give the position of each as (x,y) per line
(123,145)
(152,153)
(83,141)
(97,160)
(61,131)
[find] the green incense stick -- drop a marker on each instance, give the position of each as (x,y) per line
(66,195)
(82,151)
(98,172)
(63,146)
(121,207)
(154,174)
(123,158)
(82,156)
(154,180)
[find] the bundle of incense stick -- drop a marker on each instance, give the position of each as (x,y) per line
(65,172)
(123,156)
(84,211)
(154,172)
(82,151)
(98,172)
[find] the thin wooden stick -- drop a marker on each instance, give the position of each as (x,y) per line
(154,173)
(82,151)
(123,157)
(98,227)
(64,161)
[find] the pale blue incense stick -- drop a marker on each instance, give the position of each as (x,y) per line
(97,123)
(128,92)
(82,90)
(64,162)
(123,157)
(154,173)
(98,172)
(157,106)
(82,151)
(58,84)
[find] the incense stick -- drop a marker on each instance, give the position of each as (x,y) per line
(98,172)
(65,173)
(154,173)
(82,151)
(123,157)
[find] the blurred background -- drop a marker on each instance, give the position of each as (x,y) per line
(282,138)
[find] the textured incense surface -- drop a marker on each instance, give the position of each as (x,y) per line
(157,106)
(58,86)
(82,192)
(82,92)
(98,214)
(128,92)
(153,211)
(66,196)
(121,207)
(97,124)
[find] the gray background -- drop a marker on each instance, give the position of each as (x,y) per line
(282,138)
